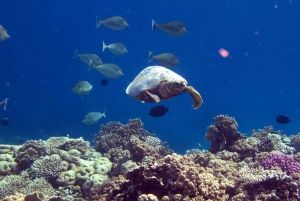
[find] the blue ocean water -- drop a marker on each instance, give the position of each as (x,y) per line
(257,82)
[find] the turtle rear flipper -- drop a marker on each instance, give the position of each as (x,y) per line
(195,96)
(154,97)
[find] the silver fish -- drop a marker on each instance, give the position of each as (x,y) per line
(82,88)
(3,33)
(165,59)
(173,28)
(114,23)
(4,103)
(91,60)
(93,117)
(110,70)
(115,48)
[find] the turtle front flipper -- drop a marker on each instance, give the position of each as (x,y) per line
(195,96)
(154,97)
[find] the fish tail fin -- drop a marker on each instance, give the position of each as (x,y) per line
(167,109)
(154,25)
(104,112)
(151,56)
(104,46)
(5,103)
(98,22)
(91,65)
(76,53)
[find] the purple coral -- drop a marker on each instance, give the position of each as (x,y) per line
(284,162)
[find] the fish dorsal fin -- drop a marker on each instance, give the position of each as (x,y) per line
(154,97)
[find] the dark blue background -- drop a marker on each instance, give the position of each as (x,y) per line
(257,82)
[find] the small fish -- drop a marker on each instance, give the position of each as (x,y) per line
(165,59)
(173,28)
(115,48)
(158,111)
(82,88)
(104,82)
(93,117)
(91,60)
(84,157)
(4,103)
(110,70)
(115,23)
(3,33)
(66,135)
(4,121)
(282,119)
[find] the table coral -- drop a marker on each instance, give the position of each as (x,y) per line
(78,144)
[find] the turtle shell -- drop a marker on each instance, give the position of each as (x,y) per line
(150,78)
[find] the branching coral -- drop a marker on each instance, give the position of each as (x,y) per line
(47,167)
(223,133)
(284,162)
(121,142)
(30,151)
(140,149)
(295,141)
(12,184)
(115,134)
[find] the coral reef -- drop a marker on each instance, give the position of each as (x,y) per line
(24,185)
(30,151)
(121,143)
(47,167)
(223,133)
(172,175)
(130,164)
(284,162)
(295,141)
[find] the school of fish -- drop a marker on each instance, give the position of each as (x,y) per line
(110,70)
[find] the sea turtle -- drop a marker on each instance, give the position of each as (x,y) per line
(157,83)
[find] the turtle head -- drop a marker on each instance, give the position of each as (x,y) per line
(175,88)
(195,96)
(169,89)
